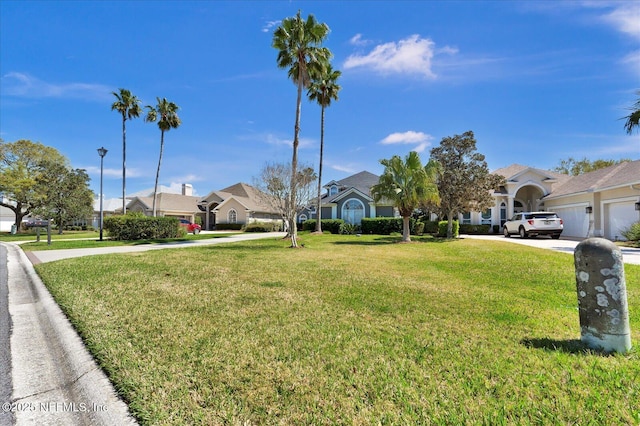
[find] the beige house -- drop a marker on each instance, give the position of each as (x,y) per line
(182,206)
(602,203)
(239,203)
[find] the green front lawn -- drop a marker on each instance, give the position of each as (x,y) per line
(348,330)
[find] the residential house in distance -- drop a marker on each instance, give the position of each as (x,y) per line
(602,203)
(240,203)
(350,199)
(182,206)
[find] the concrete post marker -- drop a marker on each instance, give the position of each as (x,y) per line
(602,296)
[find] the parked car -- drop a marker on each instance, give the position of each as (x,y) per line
(532,224)
(190,227)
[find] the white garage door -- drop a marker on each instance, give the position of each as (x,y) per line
(618,217)
(576,221)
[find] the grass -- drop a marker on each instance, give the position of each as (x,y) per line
(348,331)
(80,240)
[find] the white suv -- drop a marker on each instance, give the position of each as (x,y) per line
(532,224)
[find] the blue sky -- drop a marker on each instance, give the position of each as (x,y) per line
(536,81)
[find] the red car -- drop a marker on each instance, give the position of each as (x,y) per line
(190,227)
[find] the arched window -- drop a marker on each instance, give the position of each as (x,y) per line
(333,190)
(302,218)
(503,213)
(232,216)
(353,211)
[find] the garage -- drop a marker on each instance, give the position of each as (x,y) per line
(576,221)
(619,217)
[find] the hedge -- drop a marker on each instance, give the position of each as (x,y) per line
(229,226)
(386,225)
(474,229)
(442,228)
(136,227)
(331,225)
(259,227)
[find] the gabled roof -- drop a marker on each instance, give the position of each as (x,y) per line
(170,202)
(512,172)
(618,175)
(250,197)
(362,182)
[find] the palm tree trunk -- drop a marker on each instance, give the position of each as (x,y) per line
(318,208)
(155,188)
(406,231)
(294,170)
(124,163)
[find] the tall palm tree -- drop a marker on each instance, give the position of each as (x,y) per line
(300,51)
(407,184)
(129,106)
(165,113)
(323,89)
(633,119)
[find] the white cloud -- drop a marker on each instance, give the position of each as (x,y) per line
(342,168)
(269,25)
(412,55)
(272,139)
(625,18)
(357,40)
(24,85)
(410,137)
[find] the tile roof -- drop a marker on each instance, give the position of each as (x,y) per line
(362,181)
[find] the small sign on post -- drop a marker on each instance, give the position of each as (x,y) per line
(602,296)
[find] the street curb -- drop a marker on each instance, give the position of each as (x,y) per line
(78,386)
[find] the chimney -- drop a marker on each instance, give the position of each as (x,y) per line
(187,189)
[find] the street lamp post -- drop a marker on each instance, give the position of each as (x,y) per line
(102,152)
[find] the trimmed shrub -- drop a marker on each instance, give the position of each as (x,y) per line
(419,228)
(259,227)
(228,226)
(138,227)
(386,225)
(331,225)
(431,227)
(442,228)
(474,229)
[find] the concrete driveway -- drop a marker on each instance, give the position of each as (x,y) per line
(629,255)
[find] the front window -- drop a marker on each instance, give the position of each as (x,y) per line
(466,218)
(232,216)
(353,211)
(486,217)
(333,190)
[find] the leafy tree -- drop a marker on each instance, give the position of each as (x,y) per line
(324,88)
(274,184)
(128,106)
(22,166)
(165,113)
(633,119)
(574,167)
(465,183)
(408,185)
(67,196)
(299,51)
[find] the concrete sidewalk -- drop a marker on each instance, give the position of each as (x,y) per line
(43,256)
(48,375)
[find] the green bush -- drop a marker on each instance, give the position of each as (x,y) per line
(633,233)
(228,226)
(474,229)
(419,228)
(139,227)
(442,228)
(386,225)
(331,225)
(259,227)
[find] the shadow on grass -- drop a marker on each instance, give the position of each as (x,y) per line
(572,346)
(392,239)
